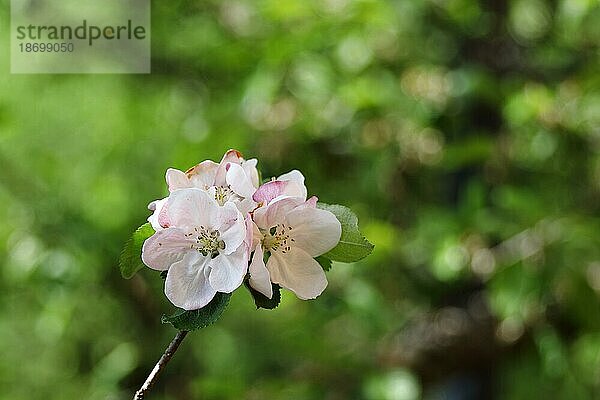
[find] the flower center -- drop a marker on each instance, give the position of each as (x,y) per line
(208,242)
(277,238)
(222,194)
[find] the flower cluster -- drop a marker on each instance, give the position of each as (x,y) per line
(220,226)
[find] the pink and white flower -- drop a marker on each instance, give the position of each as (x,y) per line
(293,231)
(233,179)
(201,245)
(205,243)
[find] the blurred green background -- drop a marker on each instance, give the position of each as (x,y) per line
(465,134)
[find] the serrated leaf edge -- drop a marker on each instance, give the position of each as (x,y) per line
(165,318)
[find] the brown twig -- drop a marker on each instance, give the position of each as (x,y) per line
(160,365)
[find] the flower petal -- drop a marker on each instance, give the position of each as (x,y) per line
(227,271)
(276,211)
(230,157)
(187,285)
(293,175)
(314,230)
(202,176)
(249,167)
(189,208)
(157,207)
(163,216)
(176,179)
(296,185)
(165,248)
(252,234)
(289,185)
(260,279)
(268,191)
(232,228)
(238,180)
(297,271)
(245,206)
(312,202)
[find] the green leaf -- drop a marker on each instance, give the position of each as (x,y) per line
(262,301)
(201,318)
(324,262)
(130,260)
(353,246)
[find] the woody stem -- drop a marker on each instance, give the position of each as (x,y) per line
(160,365)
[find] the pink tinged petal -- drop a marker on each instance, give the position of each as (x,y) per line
(231,157)
(165,248)
(202,176)
(227,271)
(190,208)
(260,279)
(276,211)
(259,216)
(239,182)
(176,179)
(187,285)
(156,206)
(296,185)
(297,271)
(249,167)
(312,202)
(255,235)
(163,216)
(314,230)
(248,239)
(268,191)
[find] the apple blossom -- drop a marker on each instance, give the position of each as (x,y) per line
(293,231)
(233,179)
(201,245)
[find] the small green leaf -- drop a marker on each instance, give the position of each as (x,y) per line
(130,261)
(201,318)
(324,262)
(262,301)
(353,246)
